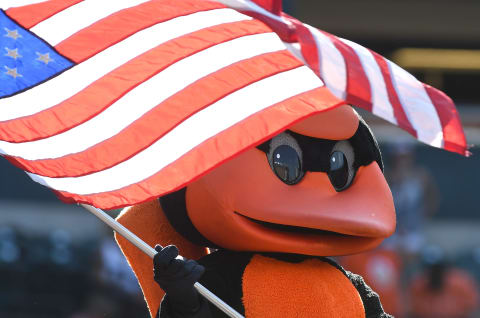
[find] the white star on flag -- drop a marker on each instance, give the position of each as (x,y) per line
(12,53)
(12,34)
(45,58)
(12,72)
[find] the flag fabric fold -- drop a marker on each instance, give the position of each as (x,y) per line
(115,103)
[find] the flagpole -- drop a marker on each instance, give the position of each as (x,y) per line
(147,249)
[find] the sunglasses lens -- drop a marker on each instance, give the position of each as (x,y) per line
(338,173)
(287,165)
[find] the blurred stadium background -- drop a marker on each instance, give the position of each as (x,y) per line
(58,260)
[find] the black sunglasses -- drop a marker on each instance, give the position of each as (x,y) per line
(291,155)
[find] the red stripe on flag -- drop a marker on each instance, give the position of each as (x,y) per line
(31,15)
(398,111)
(206,157)
(358,86)
(102,93)
(145,131)
(124,23)
(308,45)
(274,6)
(453,136)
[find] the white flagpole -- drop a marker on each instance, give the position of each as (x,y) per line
(147,249)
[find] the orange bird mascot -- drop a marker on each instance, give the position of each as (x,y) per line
(256,229)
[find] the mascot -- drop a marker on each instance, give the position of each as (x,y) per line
(269,217)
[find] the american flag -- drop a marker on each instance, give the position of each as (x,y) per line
(112,103)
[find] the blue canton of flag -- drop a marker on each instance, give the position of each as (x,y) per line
(25,59)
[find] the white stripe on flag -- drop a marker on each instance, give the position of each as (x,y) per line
(417,105)
(145,97)
(380,101)
(72,81)
(77,17)
(331,63)
(5,4)
(190,133)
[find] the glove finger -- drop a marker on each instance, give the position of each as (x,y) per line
(197,272)
(189,265)
(175,268)
(192,270)
(158,247)
(165,256)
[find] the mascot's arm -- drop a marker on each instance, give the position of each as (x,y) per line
(371,300)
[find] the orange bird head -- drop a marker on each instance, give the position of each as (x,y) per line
(315,189)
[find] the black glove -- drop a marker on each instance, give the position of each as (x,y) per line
(176,277)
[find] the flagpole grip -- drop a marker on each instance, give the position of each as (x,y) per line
(147,249)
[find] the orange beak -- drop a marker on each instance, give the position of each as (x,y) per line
(242,205)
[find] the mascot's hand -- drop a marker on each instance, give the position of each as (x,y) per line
(176,277)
